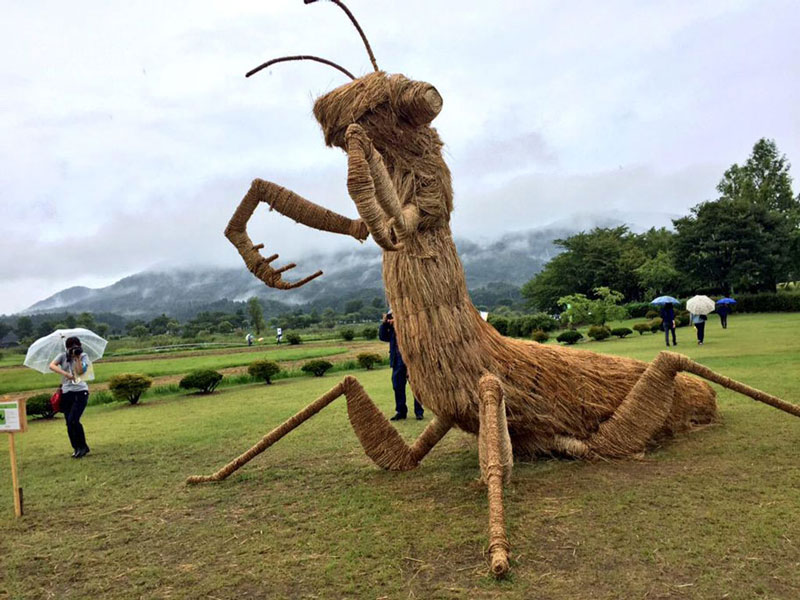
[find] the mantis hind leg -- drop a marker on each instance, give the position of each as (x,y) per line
(649,407)
(379,439)
(661,401)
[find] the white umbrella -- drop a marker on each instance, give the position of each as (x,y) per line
(42,352)
(700,305)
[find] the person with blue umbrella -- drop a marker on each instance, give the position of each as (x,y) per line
(667,304)
(724,309)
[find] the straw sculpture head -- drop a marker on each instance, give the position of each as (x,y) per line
(520,398)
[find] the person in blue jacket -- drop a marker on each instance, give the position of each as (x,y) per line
(399,372)
(668,322)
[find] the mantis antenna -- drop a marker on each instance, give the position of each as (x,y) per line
(300,57)
(358,27)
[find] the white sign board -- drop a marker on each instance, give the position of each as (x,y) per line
(12,416)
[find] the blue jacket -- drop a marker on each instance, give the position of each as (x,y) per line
(386,334)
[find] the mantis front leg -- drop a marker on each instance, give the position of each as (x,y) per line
(379,439)
(293,206)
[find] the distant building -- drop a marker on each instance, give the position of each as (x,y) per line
(9,340)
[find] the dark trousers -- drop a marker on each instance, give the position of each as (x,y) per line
(72,405)
(667,329)
(724,320)
(399,379)
(701,331)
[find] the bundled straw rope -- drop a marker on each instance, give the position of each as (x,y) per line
(519,397)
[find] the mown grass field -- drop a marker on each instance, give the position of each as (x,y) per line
(711,515)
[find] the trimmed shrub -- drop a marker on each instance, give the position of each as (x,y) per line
(316,367)
(651,314)
(264,370)
(369,360)
(204,380)
(294,338)
(598,333)
(370,333)
(641,327)
(655,324)
(347,334)
(540,336)
(129,386)
(682,318)
(621,332)
(569,337)
(39,406)
(499,323)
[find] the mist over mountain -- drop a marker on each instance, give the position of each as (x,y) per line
(182,292)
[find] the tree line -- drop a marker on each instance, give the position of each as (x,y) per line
(747,240)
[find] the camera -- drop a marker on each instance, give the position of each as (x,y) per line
(75,352)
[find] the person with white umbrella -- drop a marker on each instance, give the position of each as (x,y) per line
(74,366)
(699,307)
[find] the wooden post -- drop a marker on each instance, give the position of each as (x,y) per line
(13,419)
(14,477)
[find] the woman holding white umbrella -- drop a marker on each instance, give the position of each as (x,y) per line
(699,307)
(73,365)
(74,351)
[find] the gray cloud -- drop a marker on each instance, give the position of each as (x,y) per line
(130,133)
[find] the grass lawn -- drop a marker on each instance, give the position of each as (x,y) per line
(22,378)
(711,515)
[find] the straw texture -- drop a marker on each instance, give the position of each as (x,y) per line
(519,397)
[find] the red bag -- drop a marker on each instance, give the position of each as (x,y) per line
(55,400)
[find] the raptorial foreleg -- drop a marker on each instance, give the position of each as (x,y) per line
(380,440)
(496,459)
(293,206)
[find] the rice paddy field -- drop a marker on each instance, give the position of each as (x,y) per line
(713,514)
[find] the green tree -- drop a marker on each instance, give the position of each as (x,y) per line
(71,321)
(763,179)
(140,331)
(658,275)
(603,257)
(158,326)
(353,306)
(24,327)
(256,314)
(4,329)
(103,329)
(86,320)
(748,239)
(44,328)
(577,308)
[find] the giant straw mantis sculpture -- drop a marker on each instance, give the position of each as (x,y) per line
(520,398)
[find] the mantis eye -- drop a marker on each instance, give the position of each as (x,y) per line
(418,103)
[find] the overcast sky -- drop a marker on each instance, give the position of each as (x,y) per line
(130,132)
